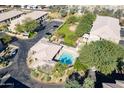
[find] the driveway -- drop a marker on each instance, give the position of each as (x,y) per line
(19,69)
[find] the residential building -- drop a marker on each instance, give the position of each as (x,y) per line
(42,53)
(40,16)
(105,27)
(7,17)
(2,10)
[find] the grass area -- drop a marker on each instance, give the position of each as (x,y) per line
(69,36)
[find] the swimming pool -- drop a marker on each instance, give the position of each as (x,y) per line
(66,58)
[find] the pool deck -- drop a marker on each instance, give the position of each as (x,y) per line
(69,50)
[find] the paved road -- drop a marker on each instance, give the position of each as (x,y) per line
(19,69)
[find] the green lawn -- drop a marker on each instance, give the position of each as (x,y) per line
(70,37)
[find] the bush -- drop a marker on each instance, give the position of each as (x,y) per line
(73,10)
(6,39)
(63,13)
(60,35)
(34,73)
(88,83)
(120,66)
(85,24)
(48,78)
(32,34)
(3,26)
(72,20)
(27,25)
(47,69)
(72,84)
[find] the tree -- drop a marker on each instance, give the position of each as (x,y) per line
(83,9)
(63,13)
(72,20)
(72,84)
(19,28)
(28,25)
(118,13)
(3,26)
(54,8)
(106,12)
(34,72)
(120,65)
(85,24)
(73,10)
(6,39)
(88,83)
(101,54)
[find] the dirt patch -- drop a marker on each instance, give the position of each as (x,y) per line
(73,27)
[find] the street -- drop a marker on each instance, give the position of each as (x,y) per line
(19,69)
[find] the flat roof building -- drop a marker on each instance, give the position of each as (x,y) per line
(107,28)
(2,10)
(35,15)
(42,53)
(10,15)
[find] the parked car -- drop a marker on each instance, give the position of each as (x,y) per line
(56,26)
(13,52)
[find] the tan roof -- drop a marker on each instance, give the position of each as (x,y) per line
(107,28)
(9,14)
(44,53)
(33,15)
(45,50)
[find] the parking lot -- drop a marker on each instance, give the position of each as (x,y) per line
(19,69)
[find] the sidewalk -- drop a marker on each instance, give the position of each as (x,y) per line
(18,36)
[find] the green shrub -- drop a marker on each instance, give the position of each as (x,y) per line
(3,26)
(72,84)
(73,10)
(88,83)
(34,73)
(6,39)
(63,13)
(28,25)
(32,34)
(72,20)
(85,24)
(48,78)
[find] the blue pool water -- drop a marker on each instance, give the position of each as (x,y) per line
(66,58)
